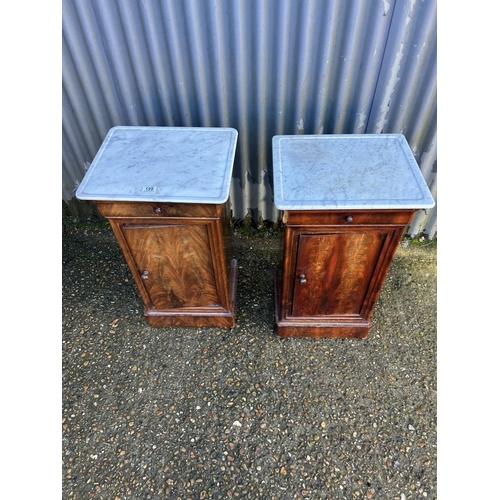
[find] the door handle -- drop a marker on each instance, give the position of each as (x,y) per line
(302,278)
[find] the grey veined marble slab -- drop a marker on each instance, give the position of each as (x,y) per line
(172,164)
(351,171)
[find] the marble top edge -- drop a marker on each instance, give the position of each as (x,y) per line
(355,205)
(198,129)
(335,175)
(159,199)
(178,167)
(310,137)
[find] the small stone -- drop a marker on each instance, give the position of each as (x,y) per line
(237,423)
(411,428)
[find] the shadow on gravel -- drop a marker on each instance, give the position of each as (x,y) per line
(240,413)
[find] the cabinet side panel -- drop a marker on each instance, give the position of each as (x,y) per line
(287,271)
(387,254)
(221,250)
(227,235)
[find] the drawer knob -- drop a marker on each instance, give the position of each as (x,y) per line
(302,278)
(144,275)
(349,219)
(157,210)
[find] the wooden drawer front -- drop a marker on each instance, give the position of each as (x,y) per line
(347,217)
(155,210)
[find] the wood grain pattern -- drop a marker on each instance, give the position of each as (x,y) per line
(227,236)
(199,317)
(156,210)
(180,256)
(346,327)
(342,265)
(177,260)
(337,268)
(340,217)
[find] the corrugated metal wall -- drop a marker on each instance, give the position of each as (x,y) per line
(264,67)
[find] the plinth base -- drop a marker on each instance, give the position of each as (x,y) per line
(215,316)
(316,327)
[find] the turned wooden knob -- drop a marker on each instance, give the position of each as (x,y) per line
(349,219)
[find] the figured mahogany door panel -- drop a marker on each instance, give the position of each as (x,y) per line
(175,264)
(333,272)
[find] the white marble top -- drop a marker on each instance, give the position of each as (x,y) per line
(172,164)
(347,171)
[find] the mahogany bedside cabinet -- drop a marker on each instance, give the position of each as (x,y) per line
(346,201)
(165,193)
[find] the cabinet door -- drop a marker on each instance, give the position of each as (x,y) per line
(334,272)
(174,263)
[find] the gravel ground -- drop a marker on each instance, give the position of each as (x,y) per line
(194,413)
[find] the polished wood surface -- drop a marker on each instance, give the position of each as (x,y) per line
(314,327)
(201,316)
(336,269)
(333,268)
(347,217)
(156,210)
(174,263)
(180,258)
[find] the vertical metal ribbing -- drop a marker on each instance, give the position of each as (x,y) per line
(264,68)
